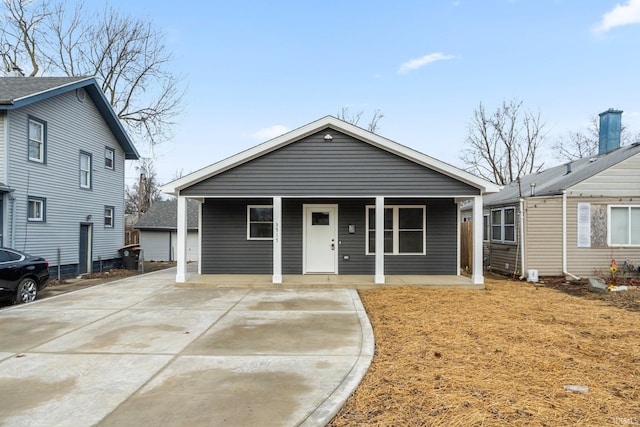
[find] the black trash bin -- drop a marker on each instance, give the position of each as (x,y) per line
(130,255)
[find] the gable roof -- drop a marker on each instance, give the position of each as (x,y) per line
(163,215)
(373,139)
(17,92)
(555,180)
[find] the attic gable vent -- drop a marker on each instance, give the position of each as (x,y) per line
(328,137)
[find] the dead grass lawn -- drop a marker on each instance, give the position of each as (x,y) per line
(495,357)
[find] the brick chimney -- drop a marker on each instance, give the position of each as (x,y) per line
(610,127)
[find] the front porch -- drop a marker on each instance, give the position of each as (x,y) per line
(325,281)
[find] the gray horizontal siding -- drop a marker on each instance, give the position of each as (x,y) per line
(225,248)
(72,126)
(343,167)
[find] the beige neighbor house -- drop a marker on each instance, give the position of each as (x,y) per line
(571,219)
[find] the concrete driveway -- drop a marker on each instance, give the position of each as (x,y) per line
(140,351)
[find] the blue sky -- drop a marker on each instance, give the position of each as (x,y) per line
(254,69)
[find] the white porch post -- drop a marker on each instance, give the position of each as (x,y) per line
(277,240)
(379,278)
(181,244)
(476,275)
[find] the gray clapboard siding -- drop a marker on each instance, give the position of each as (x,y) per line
(343,167)
(226,250)
(72,126)
(3,147)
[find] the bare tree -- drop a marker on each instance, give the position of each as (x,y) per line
(126,55)
(503,145)
(145,192)
(346,115)
(585,143)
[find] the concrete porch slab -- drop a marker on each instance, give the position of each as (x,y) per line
(325,281)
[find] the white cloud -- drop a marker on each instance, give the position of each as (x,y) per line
(414,64)
(625,14)
(265,134)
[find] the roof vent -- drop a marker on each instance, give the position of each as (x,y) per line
(328,137)
(568,168)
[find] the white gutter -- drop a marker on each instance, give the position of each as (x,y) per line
(564,236)
(521,239)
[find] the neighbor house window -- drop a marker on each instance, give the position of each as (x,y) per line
(109,158)
(503,225)
(404,230)
(108,216)
(85,170)
(36,209)
(624,225)
(260,222)
(37,140)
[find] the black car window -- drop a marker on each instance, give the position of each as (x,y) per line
(13,256)
(4,256)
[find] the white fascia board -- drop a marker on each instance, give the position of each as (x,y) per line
(339,125)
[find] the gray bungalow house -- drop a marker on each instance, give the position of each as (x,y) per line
(62,158)
(159,227)
(329,198)
(570,219)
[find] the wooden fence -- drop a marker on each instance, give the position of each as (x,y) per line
(466,245)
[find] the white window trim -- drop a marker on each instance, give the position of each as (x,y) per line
(87,172)
(112,209)
(249,207)
(110,151)
(503,225)
(396,229)
(42,142)
(41,203)
(618,245)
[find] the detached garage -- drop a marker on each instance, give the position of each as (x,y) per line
(159,228)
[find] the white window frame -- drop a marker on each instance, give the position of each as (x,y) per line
(85,173)
(41,142)
(109,217)
(110,155)
(503,225)
(41,203)
(630,229)
(249,222)
(396,230)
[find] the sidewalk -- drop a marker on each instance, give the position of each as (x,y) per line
(141,351)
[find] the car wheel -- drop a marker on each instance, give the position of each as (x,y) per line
(27,291)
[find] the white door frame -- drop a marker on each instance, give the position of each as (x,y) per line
(305,208)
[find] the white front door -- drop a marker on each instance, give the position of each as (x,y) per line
(320,239)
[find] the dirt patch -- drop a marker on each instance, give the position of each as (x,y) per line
(496,357)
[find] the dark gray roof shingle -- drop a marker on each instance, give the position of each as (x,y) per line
(555,180)
(16,88)
(163,215)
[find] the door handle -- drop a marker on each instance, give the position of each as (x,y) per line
(333,246)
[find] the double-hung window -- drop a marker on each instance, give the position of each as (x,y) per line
(260,222)
(624,225)
(109,158)
(503,225)
(36,209)
(37,140)
(85,170)
(108,216)
(404,230)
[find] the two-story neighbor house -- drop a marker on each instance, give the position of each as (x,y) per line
(62,158)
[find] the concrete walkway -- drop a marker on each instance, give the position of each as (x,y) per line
(140,351)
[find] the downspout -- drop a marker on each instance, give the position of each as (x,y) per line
(564,237)
(521,240)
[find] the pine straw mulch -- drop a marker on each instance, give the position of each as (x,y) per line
(495,357)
